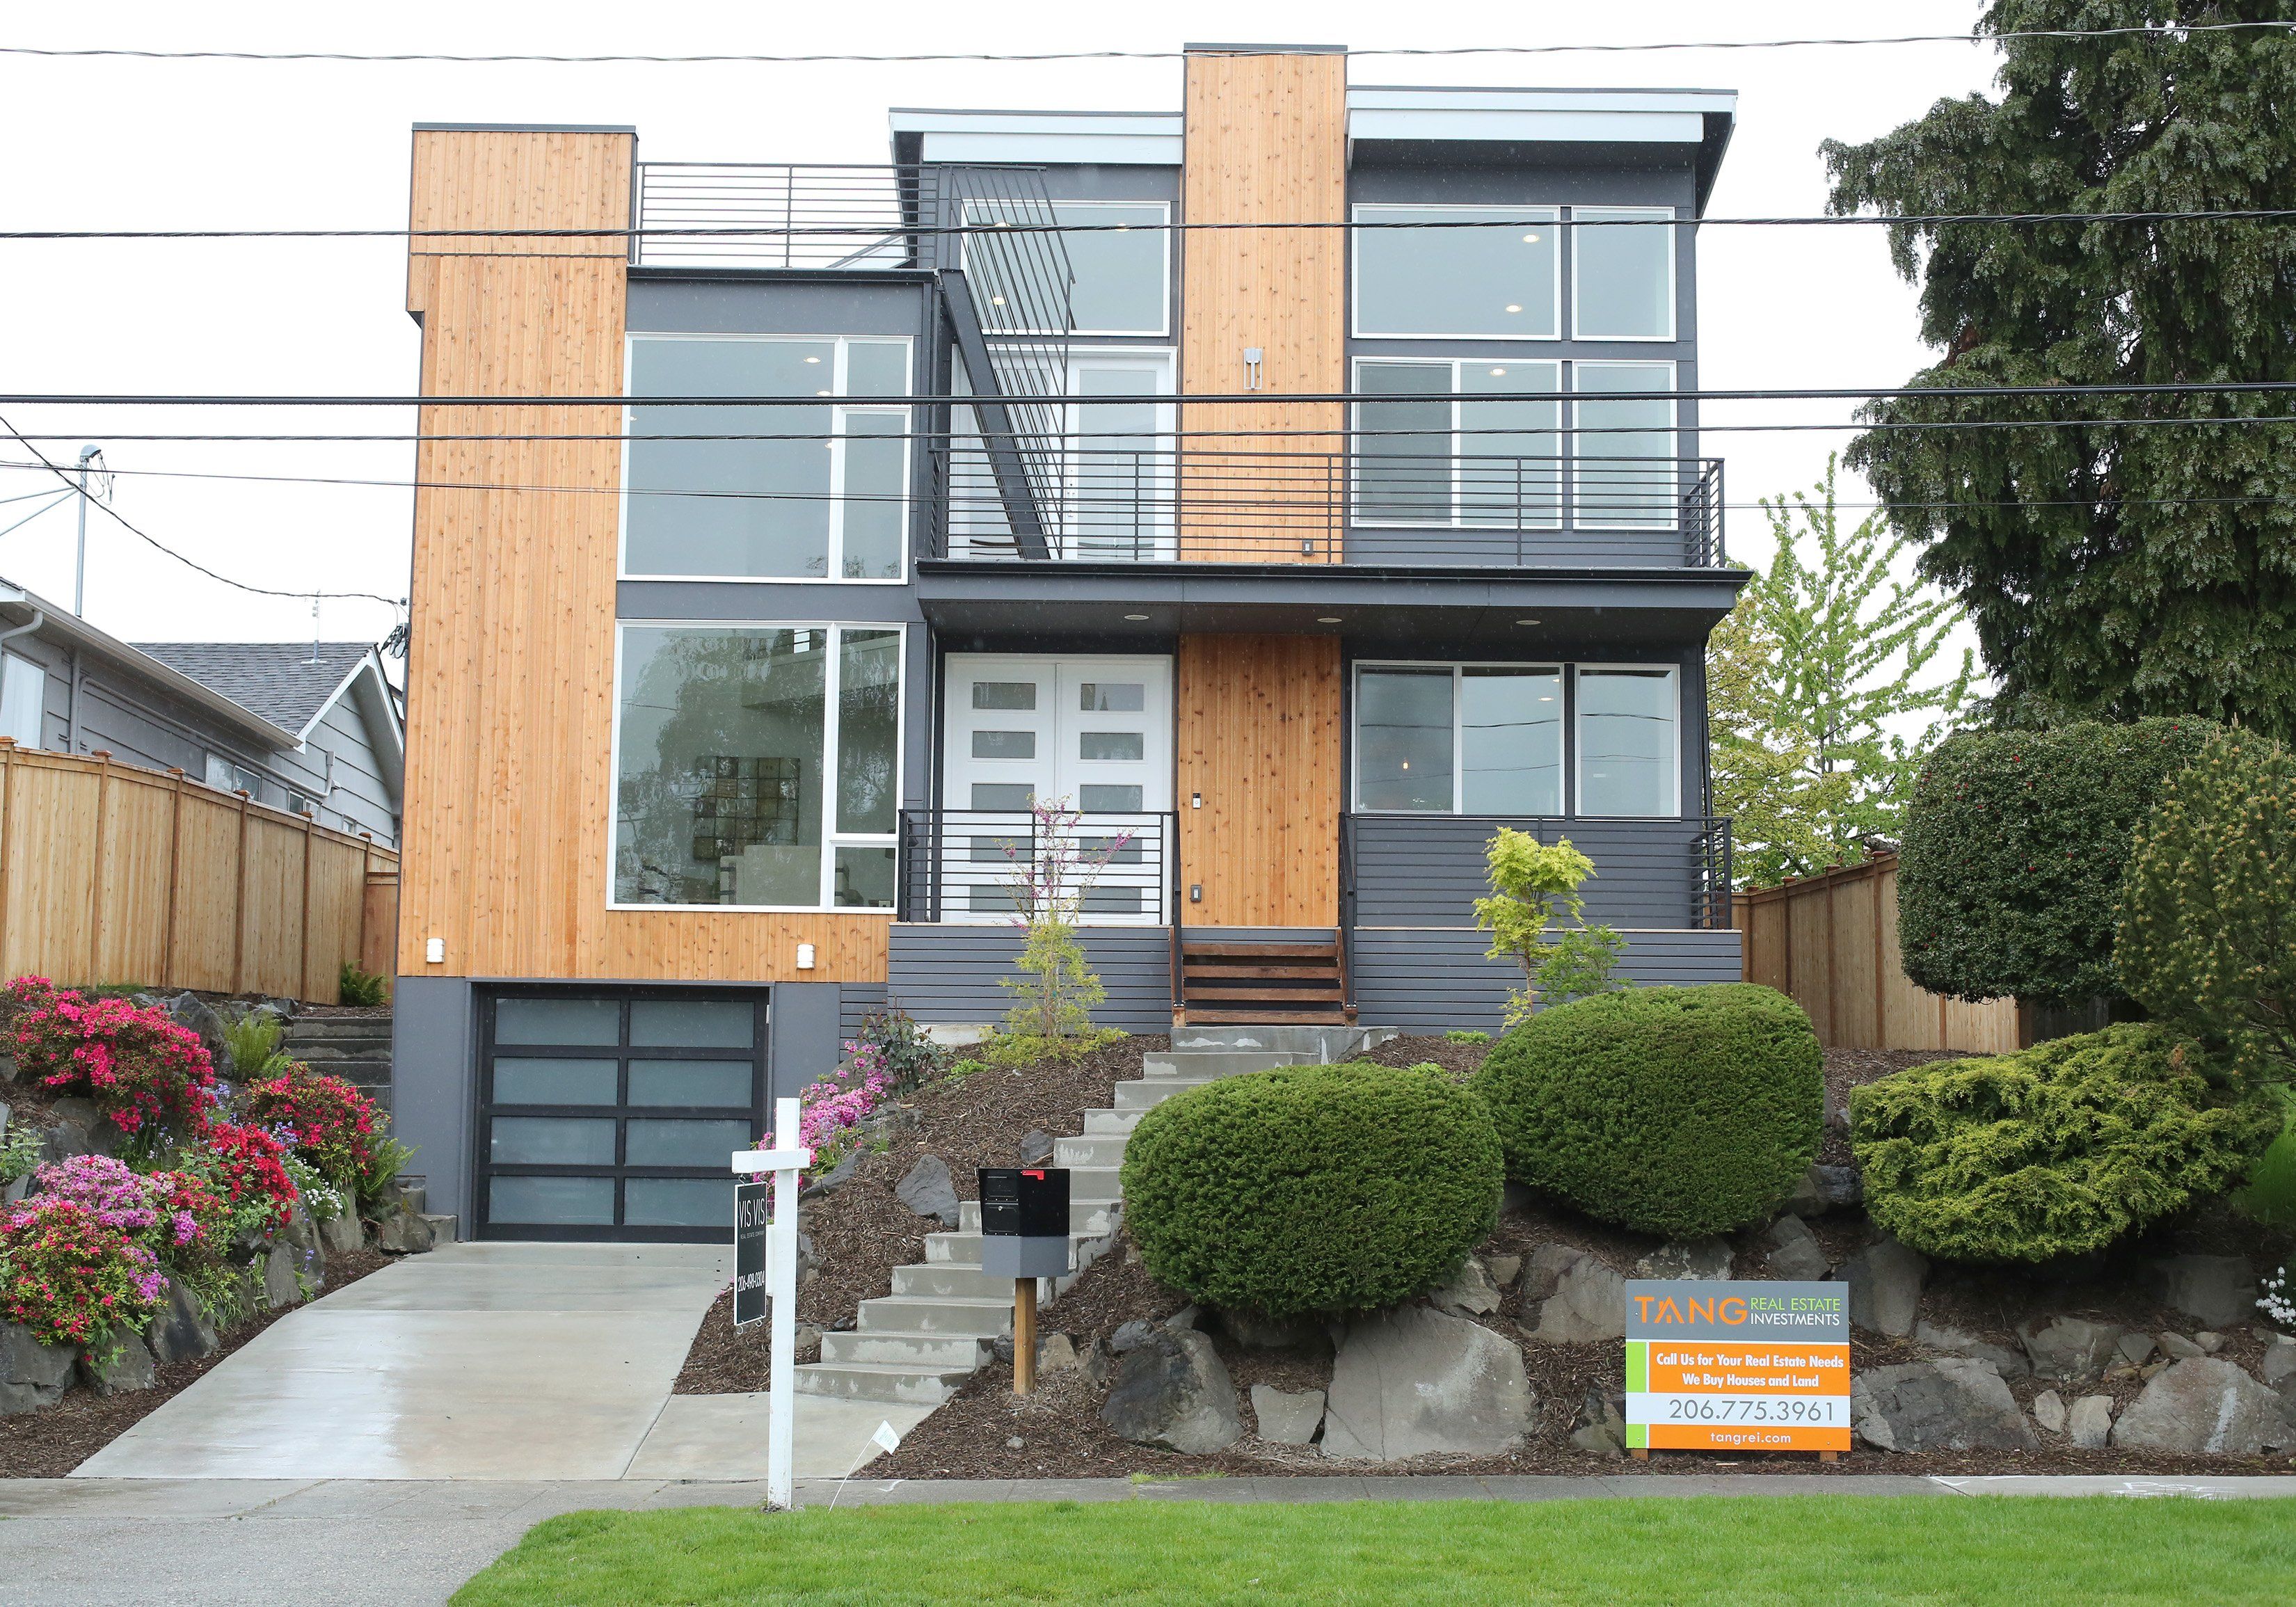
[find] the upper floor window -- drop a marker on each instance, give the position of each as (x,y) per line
(1625,474)
(811,492)
(23,700)
(1621,273)
(1489,456)
(1119,253)
(1496,278)
(1629,744)
(757,766)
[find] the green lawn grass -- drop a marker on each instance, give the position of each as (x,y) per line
(1777,1550)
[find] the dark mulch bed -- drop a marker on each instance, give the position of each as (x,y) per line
(49,1444)
(1458,1059)
(1848,1069)
(860,1231)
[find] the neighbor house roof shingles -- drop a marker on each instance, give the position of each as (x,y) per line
(278,680)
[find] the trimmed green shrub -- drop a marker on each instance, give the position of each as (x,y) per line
(2009,877)
(2054,1152)
(1675,1110)
(1312,1188)
(2270,1196)
(2207,910)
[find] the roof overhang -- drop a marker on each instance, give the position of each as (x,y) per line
(19,606)
(1116,138)
(369,690)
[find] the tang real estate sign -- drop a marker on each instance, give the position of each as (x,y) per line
(1737,1366)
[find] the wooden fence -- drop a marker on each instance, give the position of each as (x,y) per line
(111,875)
(1831,941)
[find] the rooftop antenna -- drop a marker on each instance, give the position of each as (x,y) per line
(314,627)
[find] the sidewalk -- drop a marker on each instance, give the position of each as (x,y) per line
(403,1542)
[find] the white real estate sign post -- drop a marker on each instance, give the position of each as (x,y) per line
(786,1161)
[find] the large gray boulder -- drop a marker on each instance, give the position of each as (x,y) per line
(1701,1258)
(1254,1331)
(2090,1422)
(927,1188)
(192,1012)
(402,1232)
(836,1178)
(1794,1253)
(1287,1416)
(180,1332)
(2069,1349)
(1601,1426)
(340,1235)
(1413,1381)
(1960,1341)
(1885,1287)
(291,1276)
(2279,1364)
(1171,1391)
(1952,1404)
(1583,1299)
(32,1375)
(2204,1406)
(122,1370)
(2220,1291)
(1469,1290)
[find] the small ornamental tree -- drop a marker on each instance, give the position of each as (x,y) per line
(2207,936)
(1054,997)
(1531,884)
(2009,878)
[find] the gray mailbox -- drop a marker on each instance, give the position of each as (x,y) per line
(1024,1221)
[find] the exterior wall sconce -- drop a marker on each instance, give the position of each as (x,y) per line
(805,956)
(434,951)
(1251,356)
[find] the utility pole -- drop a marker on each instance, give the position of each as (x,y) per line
(91,458)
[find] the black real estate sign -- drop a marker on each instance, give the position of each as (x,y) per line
(752,1214)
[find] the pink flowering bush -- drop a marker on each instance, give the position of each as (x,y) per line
(183,1221)
(249,1167)
(70,1277)
(152,1077)
(118,1196)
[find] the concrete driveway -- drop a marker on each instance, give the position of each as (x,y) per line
(497,1361)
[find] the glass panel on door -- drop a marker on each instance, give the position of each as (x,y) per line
(1120,503)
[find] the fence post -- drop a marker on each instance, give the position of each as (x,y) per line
(103,756)
(7,843)
(303,926)
(238,907)
(174,874)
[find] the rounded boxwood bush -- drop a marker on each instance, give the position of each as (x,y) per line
(1681,1112)
(1312,1188)
(2056,1150)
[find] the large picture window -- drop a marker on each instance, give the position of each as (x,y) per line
(1487,739)
(1120,257)
(1624,473)
(758,766)
(1493,278)
(1621,273)
(816,493)
(1491,456)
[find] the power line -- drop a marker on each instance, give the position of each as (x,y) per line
(194,563)
(890,229)
(2170,32)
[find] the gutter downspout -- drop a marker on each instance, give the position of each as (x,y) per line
(39,618)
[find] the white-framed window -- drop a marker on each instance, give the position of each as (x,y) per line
(1622,272)
(1490,456)
(1121,258)
(1459,739)
(816,493)
(1487,738)
(1498,280)
(1624,473)
(757,766)
(1115,465)
(1630,739)
(23,697)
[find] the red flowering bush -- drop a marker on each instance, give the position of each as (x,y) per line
(69,1278)
(248,1167)
(325,1119)
(150,1077)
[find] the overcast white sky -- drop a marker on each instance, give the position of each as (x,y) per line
(130,145)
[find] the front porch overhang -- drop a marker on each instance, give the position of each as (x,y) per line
(1151,601)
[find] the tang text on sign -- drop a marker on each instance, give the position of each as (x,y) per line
(1737,1366)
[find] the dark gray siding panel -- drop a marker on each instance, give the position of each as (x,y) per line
(1436,979)
(949,975)
(1428,870)
(856,1001)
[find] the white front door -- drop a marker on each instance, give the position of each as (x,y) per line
(1092,734)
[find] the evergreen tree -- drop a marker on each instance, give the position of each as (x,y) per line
(1812,681)
(2114,568)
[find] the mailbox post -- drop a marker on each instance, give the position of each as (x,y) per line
(1024,1237)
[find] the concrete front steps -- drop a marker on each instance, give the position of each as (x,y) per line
(917,1345)
(356,1048)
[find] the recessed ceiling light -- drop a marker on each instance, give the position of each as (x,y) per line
(820,393)
(1327,619)
(817,359)
(1530,240)
(1514,306)
(1499,372)
(1136,616)
(1526,621)
(995,300)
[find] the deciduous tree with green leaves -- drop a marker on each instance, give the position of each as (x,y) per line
(1531,884)
(2120,555)
(1814,684)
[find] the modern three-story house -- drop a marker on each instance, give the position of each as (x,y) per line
(1296,486)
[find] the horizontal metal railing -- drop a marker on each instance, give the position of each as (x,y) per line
(780,214)
(967,866)
(1428,869)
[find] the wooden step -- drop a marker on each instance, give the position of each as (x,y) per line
(1214,994)
(1259,951)
(1218,1016)
(1281,973)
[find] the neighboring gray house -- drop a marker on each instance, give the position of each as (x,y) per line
(313,730)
